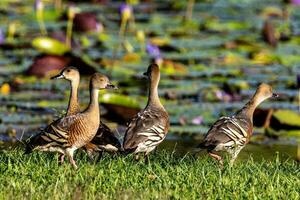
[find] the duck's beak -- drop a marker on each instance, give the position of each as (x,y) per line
(274,95)
(59,76)
(111,86)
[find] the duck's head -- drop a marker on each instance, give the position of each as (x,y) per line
(265,91)
(100,81)
(153,71)
(68,73)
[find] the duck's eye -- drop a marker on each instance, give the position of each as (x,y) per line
(68,70)
(101,79)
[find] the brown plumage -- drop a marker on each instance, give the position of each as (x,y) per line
(69,133)
(231,134)
(150,126)
(104,139)
(71,74)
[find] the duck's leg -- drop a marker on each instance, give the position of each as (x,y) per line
(60,151)
(62,158)
(216,157)
(235,154)
(100,154)
(137,157)
(98,158)
(146,158)
(69,153)
(90,155)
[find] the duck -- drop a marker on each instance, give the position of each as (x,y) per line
(70,133)
(150,126)
(71,74)
(231,133)
(104,140)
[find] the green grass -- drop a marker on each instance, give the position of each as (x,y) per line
(167,176)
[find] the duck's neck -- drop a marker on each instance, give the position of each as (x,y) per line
(153,98)
(250,107)
(73,106)
(93,108)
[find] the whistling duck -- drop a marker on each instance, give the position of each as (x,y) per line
(104,139)
(231,134)
(71,74)
(150,126)
(72,132)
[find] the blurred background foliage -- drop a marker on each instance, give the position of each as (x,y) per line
(212,55)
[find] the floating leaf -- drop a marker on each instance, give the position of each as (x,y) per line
(287,117)
(293,133)
(233,59)
(132,57)
(159,41)
(49,46)
(104,37)
(264,57)
(119,99)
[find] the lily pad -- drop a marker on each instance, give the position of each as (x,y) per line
(287,117)
(119,99)
(49,46)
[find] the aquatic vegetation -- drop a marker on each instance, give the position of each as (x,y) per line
(50,46)
(39,9)
(210,63)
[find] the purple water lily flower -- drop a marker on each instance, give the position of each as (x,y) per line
(125,8)
(2,37)
(153,51)
(99,27)
(295,2)
(197,120)
(223,96)
(38,5)
(125,11)
(219,94)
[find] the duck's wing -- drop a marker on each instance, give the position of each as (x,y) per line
(228,131)
(54,135)
(105,136)
(146,127)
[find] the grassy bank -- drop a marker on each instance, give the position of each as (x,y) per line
(38,176)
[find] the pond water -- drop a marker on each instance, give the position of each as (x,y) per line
(212,64)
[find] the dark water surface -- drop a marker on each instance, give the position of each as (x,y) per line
(213,66)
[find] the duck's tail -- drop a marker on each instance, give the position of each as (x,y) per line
(33,142)
(28,147)
(200,147)
(125,152)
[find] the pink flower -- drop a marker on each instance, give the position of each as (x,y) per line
(2,37)
(197,120)
(295,2)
